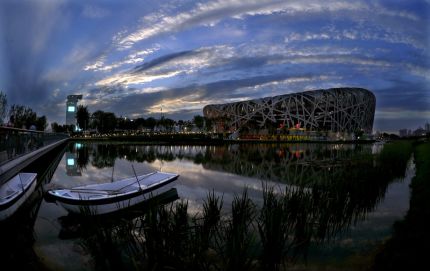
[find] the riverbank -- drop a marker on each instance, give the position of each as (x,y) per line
(408,248)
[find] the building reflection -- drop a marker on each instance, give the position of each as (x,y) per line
(72,168)
(295,164)
(77,157)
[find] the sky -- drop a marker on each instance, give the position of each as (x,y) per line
(143,58)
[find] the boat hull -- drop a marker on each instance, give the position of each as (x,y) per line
(106,198)
(9,208)
(105,208)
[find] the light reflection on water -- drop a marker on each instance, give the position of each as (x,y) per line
(227,170)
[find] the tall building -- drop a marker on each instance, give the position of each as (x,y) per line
(71,105)
(345,110)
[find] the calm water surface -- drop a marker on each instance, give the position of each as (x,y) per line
(361,209)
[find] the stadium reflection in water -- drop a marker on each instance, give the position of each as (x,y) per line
(346,201)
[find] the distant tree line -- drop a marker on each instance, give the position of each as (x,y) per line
(106,122)
(20,116)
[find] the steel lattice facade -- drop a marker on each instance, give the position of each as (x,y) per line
(335,109)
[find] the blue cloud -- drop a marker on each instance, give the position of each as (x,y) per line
(132,56)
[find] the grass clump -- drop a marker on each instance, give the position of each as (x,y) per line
(239,236)
(273,229)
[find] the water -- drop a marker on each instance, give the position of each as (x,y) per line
(359,204)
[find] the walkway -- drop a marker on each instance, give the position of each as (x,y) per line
(19,147)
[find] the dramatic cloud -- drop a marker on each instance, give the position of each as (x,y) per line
(137,58)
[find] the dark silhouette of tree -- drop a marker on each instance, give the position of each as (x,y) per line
(209,124)
(57,128)
(41,123)
(82,117)
(97,119)
(166,123)
(24,116)
(109,121)
(150,123)
(104,121)
(140,123)
(199,121)
(3,106)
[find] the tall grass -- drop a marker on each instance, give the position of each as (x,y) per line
(239,237)
(273,229)
(206,235)
(211,218)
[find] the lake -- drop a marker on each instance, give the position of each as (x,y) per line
(346,203)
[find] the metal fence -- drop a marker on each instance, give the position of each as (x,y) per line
(17,142)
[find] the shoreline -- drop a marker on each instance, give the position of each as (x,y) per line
(174,140)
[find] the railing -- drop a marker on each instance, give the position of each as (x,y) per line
(17,142)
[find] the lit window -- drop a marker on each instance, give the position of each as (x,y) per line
(70,162)
(71,109)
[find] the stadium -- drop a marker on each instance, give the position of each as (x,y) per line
(336,110)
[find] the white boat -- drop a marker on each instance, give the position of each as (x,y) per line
(14,192)
(96,199)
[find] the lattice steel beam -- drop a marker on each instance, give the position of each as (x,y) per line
(335,109)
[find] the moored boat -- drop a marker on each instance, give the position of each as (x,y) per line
(14,193)
(103,198)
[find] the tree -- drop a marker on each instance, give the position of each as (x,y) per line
(56,128)
(166,123)
(41,123)
(199,121)
(82,117)
(109,121)
(151,122)
(104,121)
(209,124)
(139,123)
(97,120)
(124,123)
(23,116)
(3,106)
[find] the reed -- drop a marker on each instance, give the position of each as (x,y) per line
(300,214)
(154,229)
(206,234)
(211,217)
(239,237)
(104,243)
(273,229)
(178,237)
